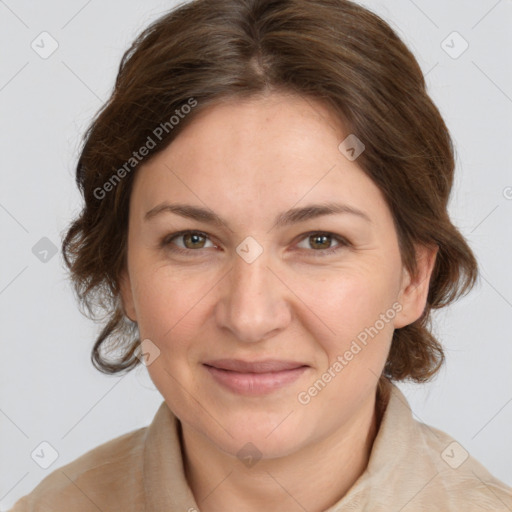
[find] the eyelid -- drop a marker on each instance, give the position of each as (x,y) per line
(342,242)
(166,241)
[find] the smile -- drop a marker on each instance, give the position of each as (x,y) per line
(254,378)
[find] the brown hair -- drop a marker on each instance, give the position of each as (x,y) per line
(333,51)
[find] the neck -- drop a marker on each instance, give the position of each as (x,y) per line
(329,468)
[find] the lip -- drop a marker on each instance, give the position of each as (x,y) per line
(263,366)
(254,377)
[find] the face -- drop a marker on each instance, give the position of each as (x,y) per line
(312,297)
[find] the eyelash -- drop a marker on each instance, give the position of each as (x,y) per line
(343,242)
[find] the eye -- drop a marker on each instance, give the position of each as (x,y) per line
(321,242)
(192,241)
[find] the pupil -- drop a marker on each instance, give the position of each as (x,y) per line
(195,238)
(318,239)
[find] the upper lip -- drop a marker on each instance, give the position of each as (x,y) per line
(265,366)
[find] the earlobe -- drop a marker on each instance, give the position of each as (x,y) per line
(414,292)
(127,296)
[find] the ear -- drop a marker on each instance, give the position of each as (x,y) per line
(127,296)
(414,291)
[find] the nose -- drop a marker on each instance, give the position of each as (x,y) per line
(253,305)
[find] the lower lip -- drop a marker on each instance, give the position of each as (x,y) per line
(255,383)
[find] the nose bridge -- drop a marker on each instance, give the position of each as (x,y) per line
(253,305)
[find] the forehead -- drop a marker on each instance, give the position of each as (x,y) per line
(265,155)
(272,131)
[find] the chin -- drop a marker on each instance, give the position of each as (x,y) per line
(261,445)
(273,436)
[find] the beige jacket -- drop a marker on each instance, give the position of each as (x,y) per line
(412,467)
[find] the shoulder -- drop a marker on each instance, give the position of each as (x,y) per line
(456,479)
(422,468)
(97,480)
(461,475)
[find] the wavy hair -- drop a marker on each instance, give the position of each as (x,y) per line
(333,51)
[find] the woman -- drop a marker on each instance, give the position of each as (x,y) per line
(265,222)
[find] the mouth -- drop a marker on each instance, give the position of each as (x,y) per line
(254,377)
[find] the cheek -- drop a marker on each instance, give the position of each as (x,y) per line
(336,305)
(358,312)
(167,307)
(350,301)
(172,306)
(165,300)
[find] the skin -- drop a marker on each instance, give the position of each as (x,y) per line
(248,161)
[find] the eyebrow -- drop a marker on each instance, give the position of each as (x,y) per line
(292,216)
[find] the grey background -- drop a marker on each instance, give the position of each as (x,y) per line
(50,392)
